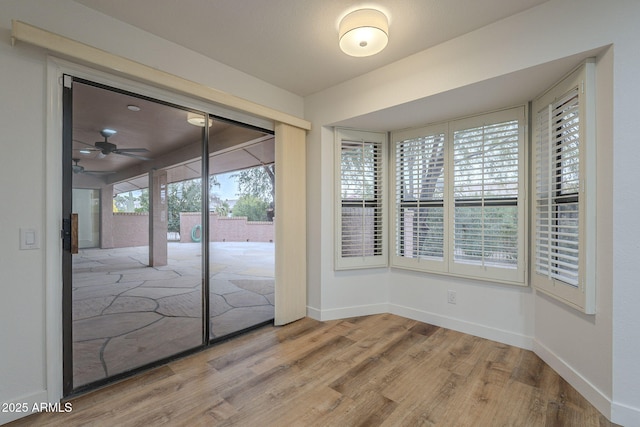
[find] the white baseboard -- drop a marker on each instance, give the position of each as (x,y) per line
(15,408)
(590,392)
(482,331)
(625,415)
(478,330)
(346,312)
(314,313)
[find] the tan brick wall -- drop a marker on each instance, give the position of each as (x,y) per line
(236,229)
(130,229)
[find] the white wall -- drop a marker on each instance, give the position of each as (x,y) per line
(22,300)
(597,354)
(78,22)
(23,168)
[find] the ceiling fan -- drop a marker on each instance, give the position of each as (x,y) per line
(105,147)
(80,169)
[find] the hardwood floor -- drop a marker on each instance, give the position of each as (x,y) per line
(375,370)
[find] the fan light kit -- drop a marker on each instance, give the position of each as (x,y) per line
(364,32)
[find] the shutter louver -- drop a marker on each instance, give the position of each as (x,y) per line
(486,195)
(557,190)
(419,197)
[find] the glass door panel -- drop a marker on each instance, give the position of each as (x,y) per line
(136,282)
(241,228)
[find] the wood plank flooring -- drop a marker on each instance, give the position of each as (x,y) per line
(380,370)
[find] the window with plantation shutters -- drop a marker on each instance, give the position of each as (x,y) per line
(563,145)
(486,193)
(557,189)
(419,198)
(360,187)
(459,197)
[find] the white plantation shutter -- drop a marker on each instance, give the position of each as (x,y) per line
(557,231)
(486,194)
(419,198)
(564,206)
(361,231)
(459,197)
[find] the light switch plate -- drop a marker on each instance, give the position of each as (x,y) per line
(29,239)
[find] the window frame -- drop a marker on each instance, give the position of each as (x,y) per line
(581,296)
(448,265)
(380,259)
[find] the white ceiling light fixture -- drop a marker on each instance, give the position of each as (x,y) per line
(364,32)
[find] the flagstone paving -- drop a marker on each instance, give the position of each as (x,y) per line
(126,314)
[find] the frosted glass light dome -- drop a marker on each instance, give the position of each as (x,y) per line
(364,32)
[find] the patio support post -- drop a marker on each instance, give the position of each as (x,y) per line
(158,218)
(106,217)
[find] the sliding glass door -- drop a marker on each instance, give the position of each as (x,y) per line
(146,279)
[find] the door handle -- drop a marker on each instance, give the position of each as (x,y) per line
(70,233)
(74,233)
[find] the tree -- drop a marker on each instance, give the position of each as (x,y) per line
(132,201)
(258,182)
(184,196)
(254,208)
(223,209)
(213,182)
(143,201)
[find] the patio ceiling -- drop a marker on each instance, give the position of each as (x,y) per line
(251,154)
(171,142)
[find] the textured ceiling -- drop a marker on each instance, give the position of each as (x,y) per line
(293,44)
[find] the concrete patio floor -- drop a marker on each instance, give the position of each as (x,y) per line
(126,314)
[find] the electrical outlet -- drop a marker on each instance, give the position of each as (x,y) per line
(452,297)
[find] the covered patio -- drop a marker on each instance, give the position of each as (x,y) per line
(121,305)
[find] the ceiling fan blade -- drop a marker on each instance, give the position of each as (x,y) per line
(99,172)
(84,143)
(131,150)
(135,156)
(77,169)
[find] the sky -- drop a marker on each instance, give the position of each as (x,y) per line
(228,187)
